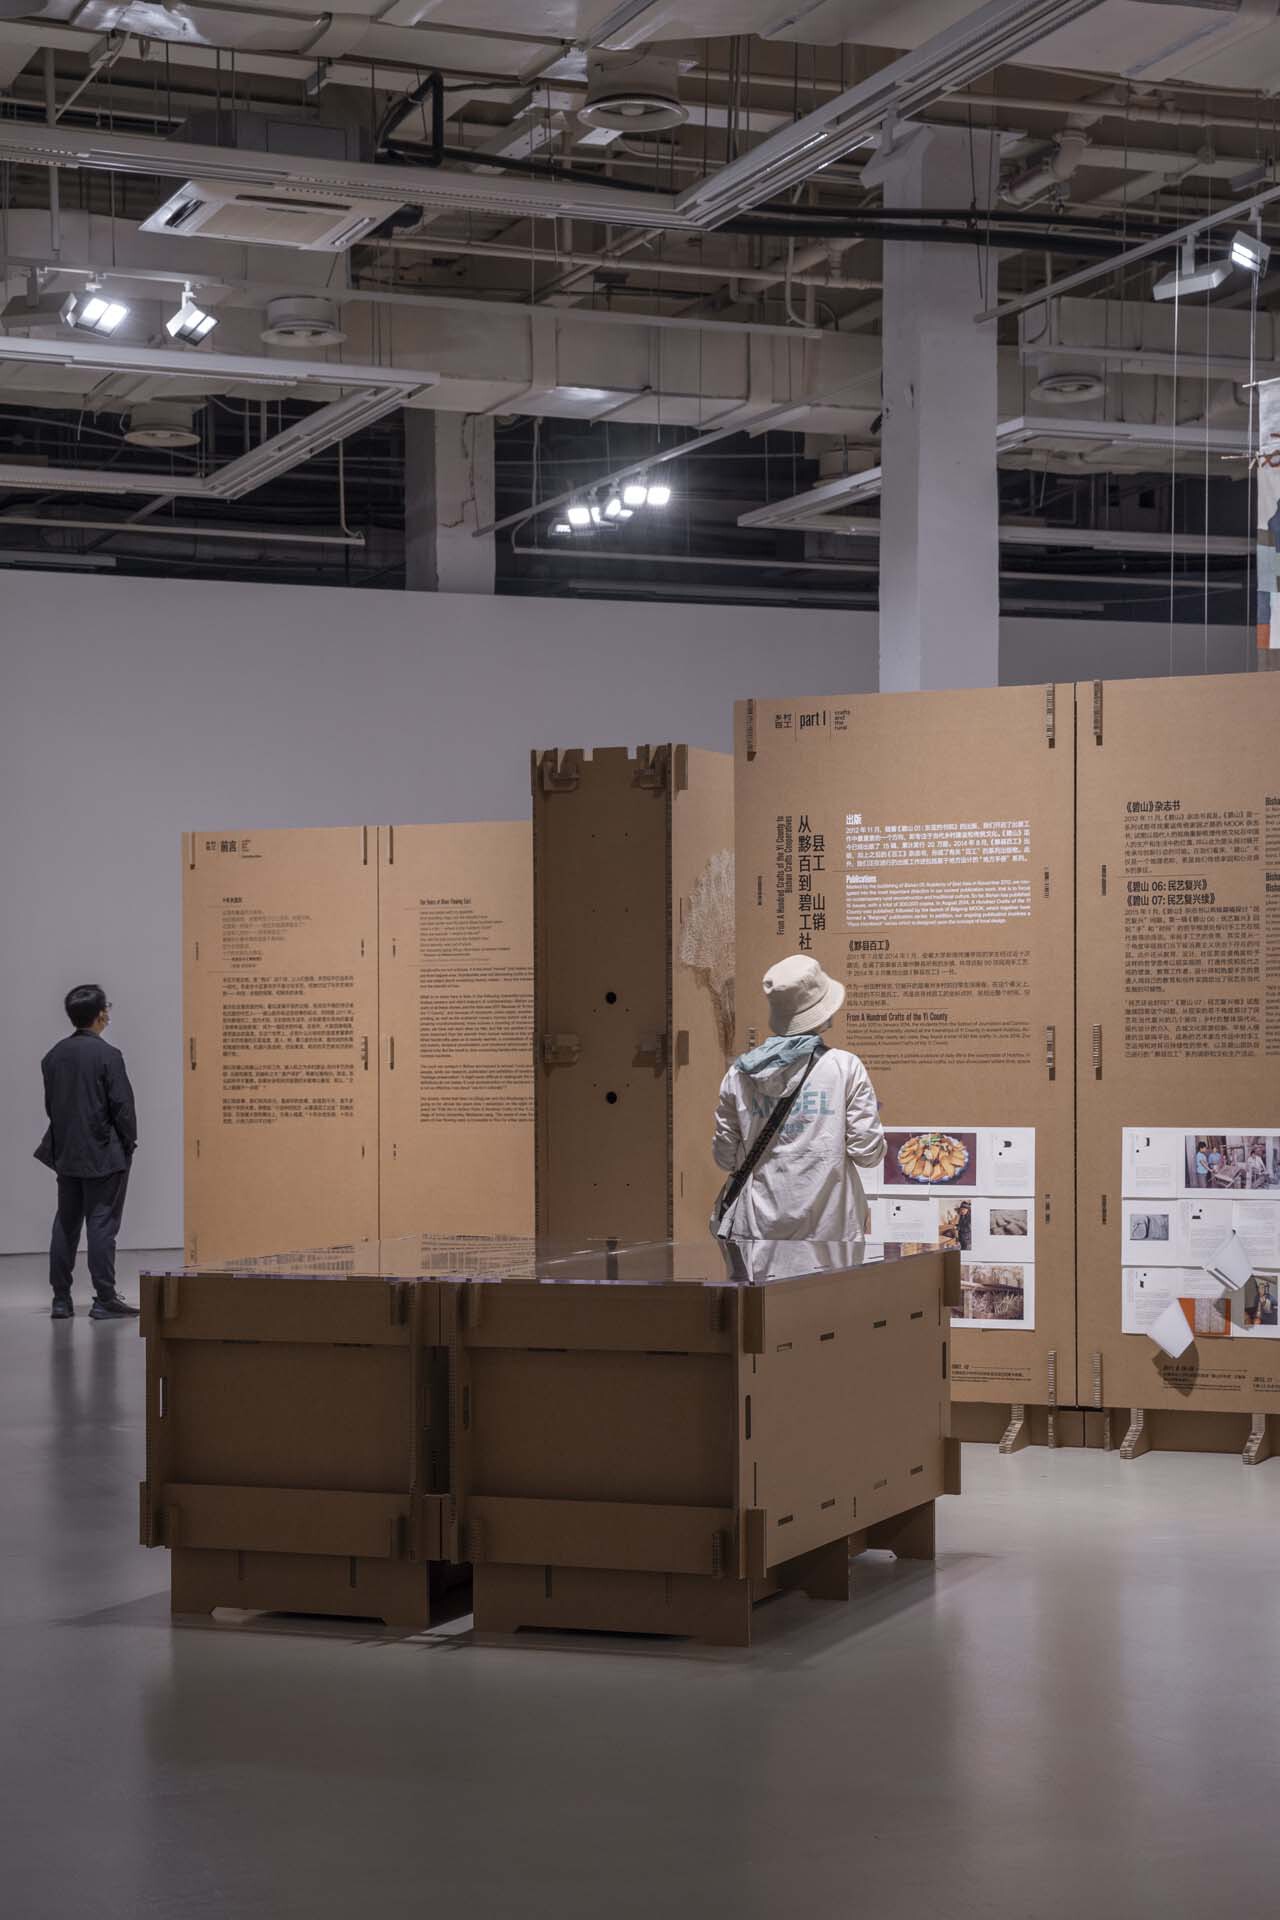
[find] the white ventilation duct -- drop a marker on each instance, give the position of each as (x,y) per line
(301,320)
(162,423)
(1048,171)
(633,93)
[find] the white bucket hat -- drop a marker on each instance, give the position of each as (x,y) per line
(802,998)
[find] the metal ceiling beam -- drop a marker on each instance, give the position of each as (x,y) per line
(989,38)
(435,188)
(366,395)
(1238,213)
(805,509)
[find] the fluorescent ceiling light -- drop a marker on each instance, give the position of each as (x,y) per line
(1250,252)
(658,496)
(190,322)
(97,314)
(562,526)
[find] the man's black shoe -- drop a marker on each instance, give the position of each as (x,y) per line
(112,1307)
(62,1310)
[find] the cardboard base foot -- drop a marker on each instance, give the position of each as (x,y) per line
(1137,1440)
(822,1574)
(911,1535)
(1258,1445)
(395,1592)
(604,1600)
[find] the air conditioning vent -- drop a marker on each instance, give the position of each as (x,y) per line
(218,210)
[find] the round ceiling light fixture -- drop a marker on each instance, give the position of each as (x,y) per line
(162,423)
(633,93)
(1066,387)
(302,320)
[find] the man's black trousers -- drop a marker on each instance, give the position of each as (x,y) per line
(97,1206)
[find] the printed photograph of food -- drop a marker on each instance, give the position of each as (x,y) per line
(1009,1221)
(955,1226)
(993,1292)
(930,1159)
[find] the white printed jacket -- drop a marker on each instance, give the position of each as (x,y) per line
(806,1187)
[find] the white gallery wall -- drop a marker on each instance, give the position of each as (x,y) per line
(131,710)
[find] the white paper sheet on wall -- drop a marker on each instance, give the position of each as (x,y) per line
(1147,1291)
(1152,1161)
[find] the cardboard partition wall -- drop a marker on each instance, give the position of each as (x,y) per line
(921,847)
(633,988)
(1178,1047)
(280,988)
(358,1035)
(455,908)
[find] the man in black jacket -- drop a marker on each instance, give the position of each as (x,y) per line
(89,1144)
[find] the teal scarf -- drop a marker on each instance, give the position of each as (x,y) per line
(780,1051)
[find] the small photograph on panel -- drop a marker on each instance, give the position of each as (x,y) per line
(1009,1223)
(930,1159)
(955,1225)
(995,1293)
(1208,1319)
(1257,1307)
(1232,1162)
(1145,1226)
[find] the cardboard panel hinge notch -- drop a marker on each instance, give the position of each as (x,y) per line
(558,771)
(1051,1052)
(653,769)
(559,1049)
(1051,716)
(1097,1051)
(1097,713)
(652,1050)
(1096,1366)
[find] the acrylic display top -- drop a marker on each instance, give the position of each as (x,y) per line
(427,1256)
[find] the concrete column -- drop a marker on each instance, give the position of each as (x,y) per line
(448,492)
(939,509)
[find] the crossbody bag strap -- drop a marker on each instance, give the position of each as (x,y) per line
(772,1126)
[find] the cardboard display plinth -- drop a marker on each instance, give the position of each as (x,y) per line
(292,1460)
(631,1037)
(658,1458)
(635,1439)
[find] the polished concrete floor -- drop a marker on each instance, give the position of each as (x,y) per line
(1077,1713)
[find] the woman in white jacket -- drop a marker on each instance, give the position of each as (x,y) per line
(806,1184)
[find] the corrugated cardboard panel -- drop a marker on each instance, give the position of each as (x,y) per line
(456,973)
(1179,1014)
(702,999)
(602,911)
(935,832)
(630,1037)
(844,1408)
(280,976)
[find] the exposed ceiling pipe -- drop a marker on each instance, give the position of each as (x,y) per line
(185,530)
(606,262)
(1048,173)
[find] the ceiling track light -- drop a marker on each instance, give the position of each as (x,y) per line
(1187,279)
(190,322)
(94,312)
(635,491)
(658,494)
(1250,251)
(578,514)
